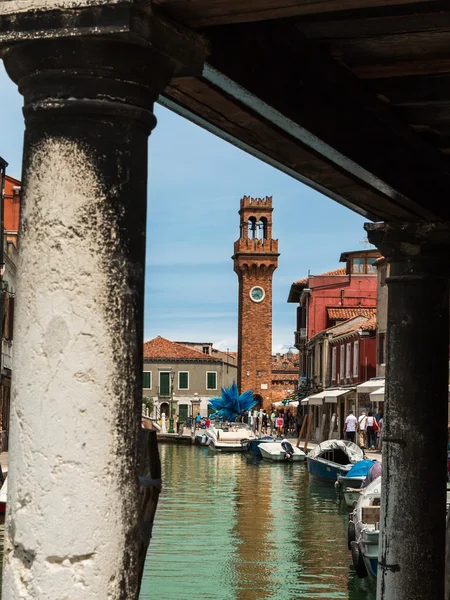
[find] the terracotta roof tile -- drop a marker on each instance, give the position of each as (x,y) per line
(160,348)
(371,324)
(340,271)
(361,322)
(342,313)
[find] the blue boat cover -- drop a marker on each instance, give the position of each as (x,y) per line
(360,468)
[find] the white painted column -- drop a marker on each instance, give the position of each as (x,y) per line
(73,523)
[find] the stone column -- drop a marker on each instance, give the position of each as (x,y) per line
(413,504)
(72,519)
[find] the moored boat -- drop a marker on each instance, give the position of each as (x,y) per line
(281,451)
(333,458)
(228,437)
(364,530)
(355,479)
(252,446)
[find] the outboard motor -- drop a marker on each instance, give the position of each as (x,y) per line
(288,450)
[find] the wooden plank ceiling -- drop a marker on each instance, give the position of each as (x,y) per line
(350,96)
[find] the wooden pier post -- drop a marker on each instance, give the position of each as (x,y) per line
(305,447)
(301,430)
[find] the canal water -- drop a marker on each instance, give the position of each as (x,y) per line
(229,528)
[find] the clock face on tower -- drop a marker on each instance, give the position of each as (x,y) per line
(257,294)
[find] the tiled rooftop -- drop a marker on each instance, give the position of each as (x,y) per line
(371,324)
(159,348)
(341,313)
(340,271)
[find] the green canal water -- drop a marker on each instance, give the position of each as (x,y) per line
(229,528)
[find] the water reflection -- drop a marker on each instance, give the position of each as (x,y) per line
(232,529)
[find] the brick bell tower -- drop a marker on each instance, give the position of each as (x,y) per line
(255,259)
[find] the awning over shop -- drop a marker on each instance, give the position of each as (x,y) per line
(377,395)
(314,400)
(370,386)
(331,396)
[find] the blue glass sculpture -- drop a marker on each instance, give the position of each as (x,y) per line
(231,404)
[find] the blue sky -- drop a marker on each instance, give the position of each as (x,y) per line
(195,183)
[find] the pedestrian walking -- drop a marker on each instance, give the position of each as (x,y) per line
(371,428)
(286,419)
(380,431)
(280,423)
(264,424)
(362,430)
(350,426)
(273,416)
(198,418)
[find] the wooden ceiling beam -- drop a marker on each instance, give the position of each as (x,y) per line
(385,69)
(402,91)
(204,13)
(289,81)
(202,103)
(344,26)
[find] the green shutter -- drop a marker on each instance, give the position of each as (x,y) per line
(164,384)
(212,383)
(146,379)
(183,383)
(183,413)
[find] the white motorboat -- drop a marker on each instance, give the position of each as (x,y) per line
(228,437)
(364,530)
(281,451)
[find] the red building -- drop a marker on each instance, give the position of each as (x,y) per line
(323,300)
(12,209)
(336,338)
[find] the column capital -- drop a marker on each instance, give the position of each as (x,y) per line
(128,21)
(422,247)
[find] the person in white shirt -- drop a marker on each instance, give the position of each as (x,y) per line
(362,430)
(350,426)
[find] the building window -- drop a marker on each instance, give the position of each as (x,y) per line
(333,363)
(358,265)
(348,360)
(381,348)
(285,364)
(341,362)
(183,380)
(355,359)
(258,373)
(205,349)
(211,380)
(364,266)
(371,266)
(147,380)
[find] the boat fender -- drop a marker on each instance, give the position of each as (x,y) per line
(358,560)
(351,536)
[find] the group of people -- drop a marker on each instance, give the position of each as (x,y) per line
(280,422)
(368,427)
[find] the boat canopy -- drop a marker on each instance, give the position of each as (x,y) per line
(360,468)
(370,386)
(354,452)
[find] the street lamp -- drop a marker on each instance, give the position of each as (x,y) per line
(172,377)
